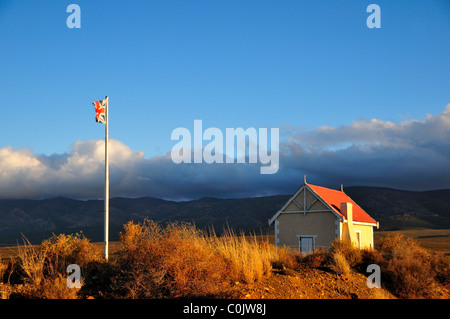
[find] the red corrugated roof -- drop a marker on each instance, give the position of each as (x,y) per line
(334,198)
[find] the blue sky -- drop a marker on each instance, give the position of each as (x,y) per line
(296,65)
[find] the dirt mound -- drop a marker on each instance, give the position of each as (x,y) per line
(310,283)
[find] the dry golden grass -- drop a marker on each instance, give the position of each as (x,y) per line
(32,262)
(40,271)
(340,264)
(250,258)
(3,267)
(179,260)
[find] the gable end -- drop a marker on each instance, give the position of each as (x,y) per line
(305,200)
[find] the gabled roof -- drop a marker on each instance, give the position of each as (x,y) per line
(333,199)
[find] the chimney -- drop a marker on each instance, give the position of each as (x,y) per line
(347,211)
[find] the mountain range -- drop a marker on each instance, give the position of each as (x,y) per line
(38,219)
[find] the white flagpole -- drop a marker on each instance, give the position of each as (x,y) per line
(106,179)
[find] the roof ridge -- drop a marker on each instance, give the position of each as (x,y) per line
(334,205)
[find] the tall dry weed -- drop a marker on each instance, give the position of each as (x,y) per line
(250,259)
(340,264)
(32,262)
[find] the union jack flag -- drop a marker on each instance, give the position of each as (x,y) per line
(100,110)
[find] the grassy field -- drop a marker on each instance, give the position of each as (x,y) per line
(178,260)
(434,239)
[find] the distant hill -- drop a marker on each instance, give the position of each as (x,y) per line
(38,219)
(398,209)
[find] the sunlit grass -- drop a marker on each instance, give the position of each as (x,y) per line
(179,260)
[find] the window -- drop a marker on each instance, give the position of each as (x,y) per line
(358,239)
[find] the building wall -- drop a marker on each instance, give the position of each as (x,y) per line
(321,224)
(365,234)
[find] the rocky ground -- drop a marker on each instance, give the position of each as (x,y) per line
(310,283)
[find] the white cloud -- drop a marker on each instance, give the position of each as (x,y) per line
(410,155)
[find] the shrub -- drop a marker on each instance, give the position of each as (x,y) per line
(285,257)
(63,250)
(3,269)
(369,256)
(409,270)
(180,260)
(344,247)
(192,268)
(5,290)
(43,268)
(318,258)
(176,261)
(47,288)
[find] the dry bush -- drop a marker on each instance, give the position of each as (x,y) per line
(340,264)
(5,290)
(441,268)
(63,250)
(317,259)
(176,261)
(411,271)
(3,269)
(180,260)
(141,273)
(192,267)
(48,288)
(43,267)
(371,256)
(345,247)
(285,257)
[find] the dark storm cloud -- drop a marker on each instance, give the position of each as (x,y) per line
(408,155)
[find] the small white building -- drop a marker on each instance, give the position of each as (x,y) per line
(315,216)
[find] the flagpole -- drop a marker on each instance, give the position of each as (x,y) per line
(106,180)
